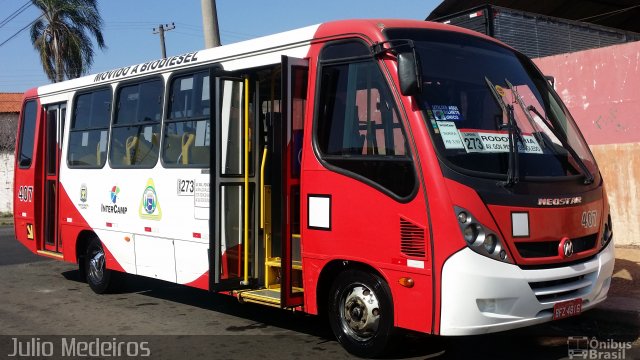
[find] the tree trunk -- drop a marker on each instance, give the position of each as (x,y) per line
(57,58)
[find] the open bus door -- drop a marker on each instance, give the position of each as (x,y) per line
(53,135)
(233,184)
(279,190)
(27,201)
(289,140)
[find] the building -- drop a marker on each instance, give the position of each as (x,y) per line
(9,111)
(537,35)
(592,50)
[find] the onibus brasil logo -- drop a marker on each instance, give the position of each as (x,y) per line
(149,204)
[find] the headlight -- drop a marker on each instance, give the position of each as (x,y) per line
(470,233)
(479,238)
(462,217)
(490,242)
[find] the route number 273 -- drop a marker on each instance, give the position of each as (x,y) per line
(185,187)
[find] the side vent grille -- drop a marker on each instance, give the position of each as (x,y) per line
(411,239)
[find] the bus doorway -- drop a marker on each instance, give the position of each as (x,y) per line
(53,135)
(288,141)
(281,93)
(234,184)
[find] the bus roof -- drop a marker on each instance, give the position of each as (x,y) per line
(267,45)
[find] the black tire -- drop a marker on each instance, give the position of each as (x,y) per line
(100,279)
(360,312)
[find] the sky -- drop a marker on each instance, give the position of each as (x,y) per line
(128,28)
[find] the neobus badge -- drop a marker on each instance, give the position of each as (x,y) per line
(559,201)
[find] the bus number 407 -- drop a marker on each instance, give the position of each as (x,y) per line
(25,193)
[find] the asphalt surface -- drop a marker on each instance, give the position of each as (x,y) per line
(44,305)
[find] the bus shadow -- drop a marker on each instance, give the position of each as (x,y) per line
(545,341)
(260,315)
(406,345)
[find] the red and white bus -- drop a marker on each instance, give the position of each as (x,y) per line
(391,174)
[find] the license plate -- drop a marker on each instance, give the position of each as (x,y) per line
(565,309)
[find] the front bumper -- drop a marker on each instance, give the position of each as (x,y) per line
(481,295)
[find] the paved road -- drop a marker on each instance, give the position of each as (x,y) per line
(45,299)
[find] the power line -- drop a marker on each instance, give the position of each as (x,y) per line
(21,30)
(13,15)
(610,13)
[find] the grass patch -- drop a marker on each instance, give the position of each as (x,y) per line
(6,218)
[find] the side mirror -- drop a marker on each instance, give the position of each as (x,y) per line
(551,80)
(409,73)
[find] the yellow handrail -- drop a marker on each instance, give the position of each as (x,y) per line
(262,166)
(246,181)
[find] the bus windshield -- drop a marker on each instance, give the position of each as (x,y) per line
(476,95)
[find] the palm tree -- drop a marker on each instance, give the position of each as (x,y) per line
(61,35)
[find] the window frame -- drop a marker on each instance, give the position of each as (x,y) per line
(108,128)
(116,98)
(402,120)
(209,69)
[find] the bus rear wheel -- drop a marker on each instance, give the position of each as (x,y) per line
(100,279)
(361,312)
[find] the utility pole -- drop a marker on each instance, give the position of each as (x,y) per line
(210,23)
(160,30)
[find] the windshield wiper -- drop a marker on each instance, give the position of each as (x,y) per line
(588,176)
(514,134)
(534,126)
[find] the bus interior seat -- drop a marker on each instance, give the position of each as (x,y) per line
(129,153)
(98,154)
(187,142)
(172,148)
(200,154)
(139,151)
(88,158)
(192,153)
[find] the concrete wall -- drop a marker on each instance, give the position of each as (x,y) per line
(601,88)
(6,182)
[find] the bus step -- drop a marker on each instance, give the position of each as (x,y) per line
(269,297)
(50,254)
(276,262)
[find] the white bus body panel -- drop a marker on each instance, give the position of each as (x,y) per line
(481,295)
(172,243)
(266,50)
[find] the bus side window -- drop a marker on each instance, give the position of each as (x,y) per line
(89,128)
(187,127)
(135,134)
(27,134)
(358,129)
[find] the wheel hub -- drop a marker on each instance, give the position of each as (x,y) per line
(361,313)
(96,266)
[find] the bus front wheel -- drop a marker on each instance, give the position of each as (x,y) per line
(100,279)
(361,312)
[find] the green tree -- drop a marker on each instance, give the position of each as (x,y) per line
(62,36)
